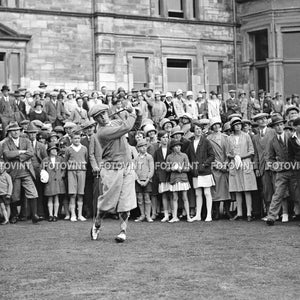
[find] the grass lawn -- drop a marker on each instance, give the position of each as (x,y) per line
(218,260)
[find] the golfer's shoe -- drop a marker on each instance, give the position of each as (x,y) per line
(95,232)
(121,237)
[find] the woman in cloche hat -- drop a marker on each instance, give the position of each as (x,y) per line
(241,174)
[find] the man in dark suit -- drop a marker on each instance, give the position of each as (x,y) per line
(19,103)
(18,152)
(277,159)
(6,108)
(261,142)
(39,153)
(55,110)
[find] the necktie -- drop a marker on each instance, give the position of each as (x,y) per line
(281,140)
(262,133)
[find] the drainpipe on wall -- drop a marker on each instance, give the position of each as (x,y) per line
(235,44)
(94,45)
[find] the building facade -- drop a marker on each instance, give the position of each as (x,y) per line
(161,44)
(270,48)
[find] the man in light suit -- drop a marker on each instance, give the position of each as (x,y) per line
(17,151)
(261,142)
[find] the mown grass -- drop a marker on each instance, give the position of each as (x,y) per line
(218,260)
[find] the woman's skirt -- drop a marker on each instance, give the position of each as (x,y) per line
(180,186)
(203,181)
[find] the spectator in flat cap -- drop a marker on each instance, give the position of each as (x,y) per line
(158,109)
(233,104)
(295,99)
(37,112)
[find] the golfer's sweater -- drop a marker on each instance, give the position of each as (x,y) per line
(115,148)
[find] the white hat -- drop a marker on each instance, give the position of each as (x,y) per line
(149,128)
(189,93)
(168,94)
(44,176)
(179,92)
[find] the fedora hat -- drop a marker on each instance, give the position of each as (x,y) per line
(176,130)
(276,119)
(31,128)
(38,123)
(260,116)
(13,126)
(42,85)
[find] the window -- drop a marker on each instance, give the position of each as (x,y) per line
(215,76)
(2,69)
(140,72)
(179,75)
(291,59)
(175,9)
(260,53)
(261,45)
(9,3)
(291,45)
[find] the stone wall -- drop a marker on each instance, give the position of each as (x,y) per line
(59,52)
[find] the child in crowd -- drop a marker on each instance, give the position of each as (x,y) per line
(64,198)
(161,175)
(178,165)
(76,157)
(55,166)
(144,171)
(6,187)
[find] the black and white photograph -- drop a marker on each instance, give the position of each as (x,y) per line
(150,149)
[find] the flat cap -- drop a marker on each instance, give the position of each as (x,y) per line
(97,109)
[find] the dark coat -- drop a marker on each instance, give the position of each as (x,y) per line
(202,159)
(11,154)
(55,112)
(39,153)
(159,165)
(56,183)
(21,106)
(278,151)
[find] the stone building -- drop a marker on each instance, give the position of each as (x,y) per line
(270,32)
(161,44)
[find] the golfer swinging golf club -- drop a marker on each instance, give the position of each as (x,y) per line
(117,173)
